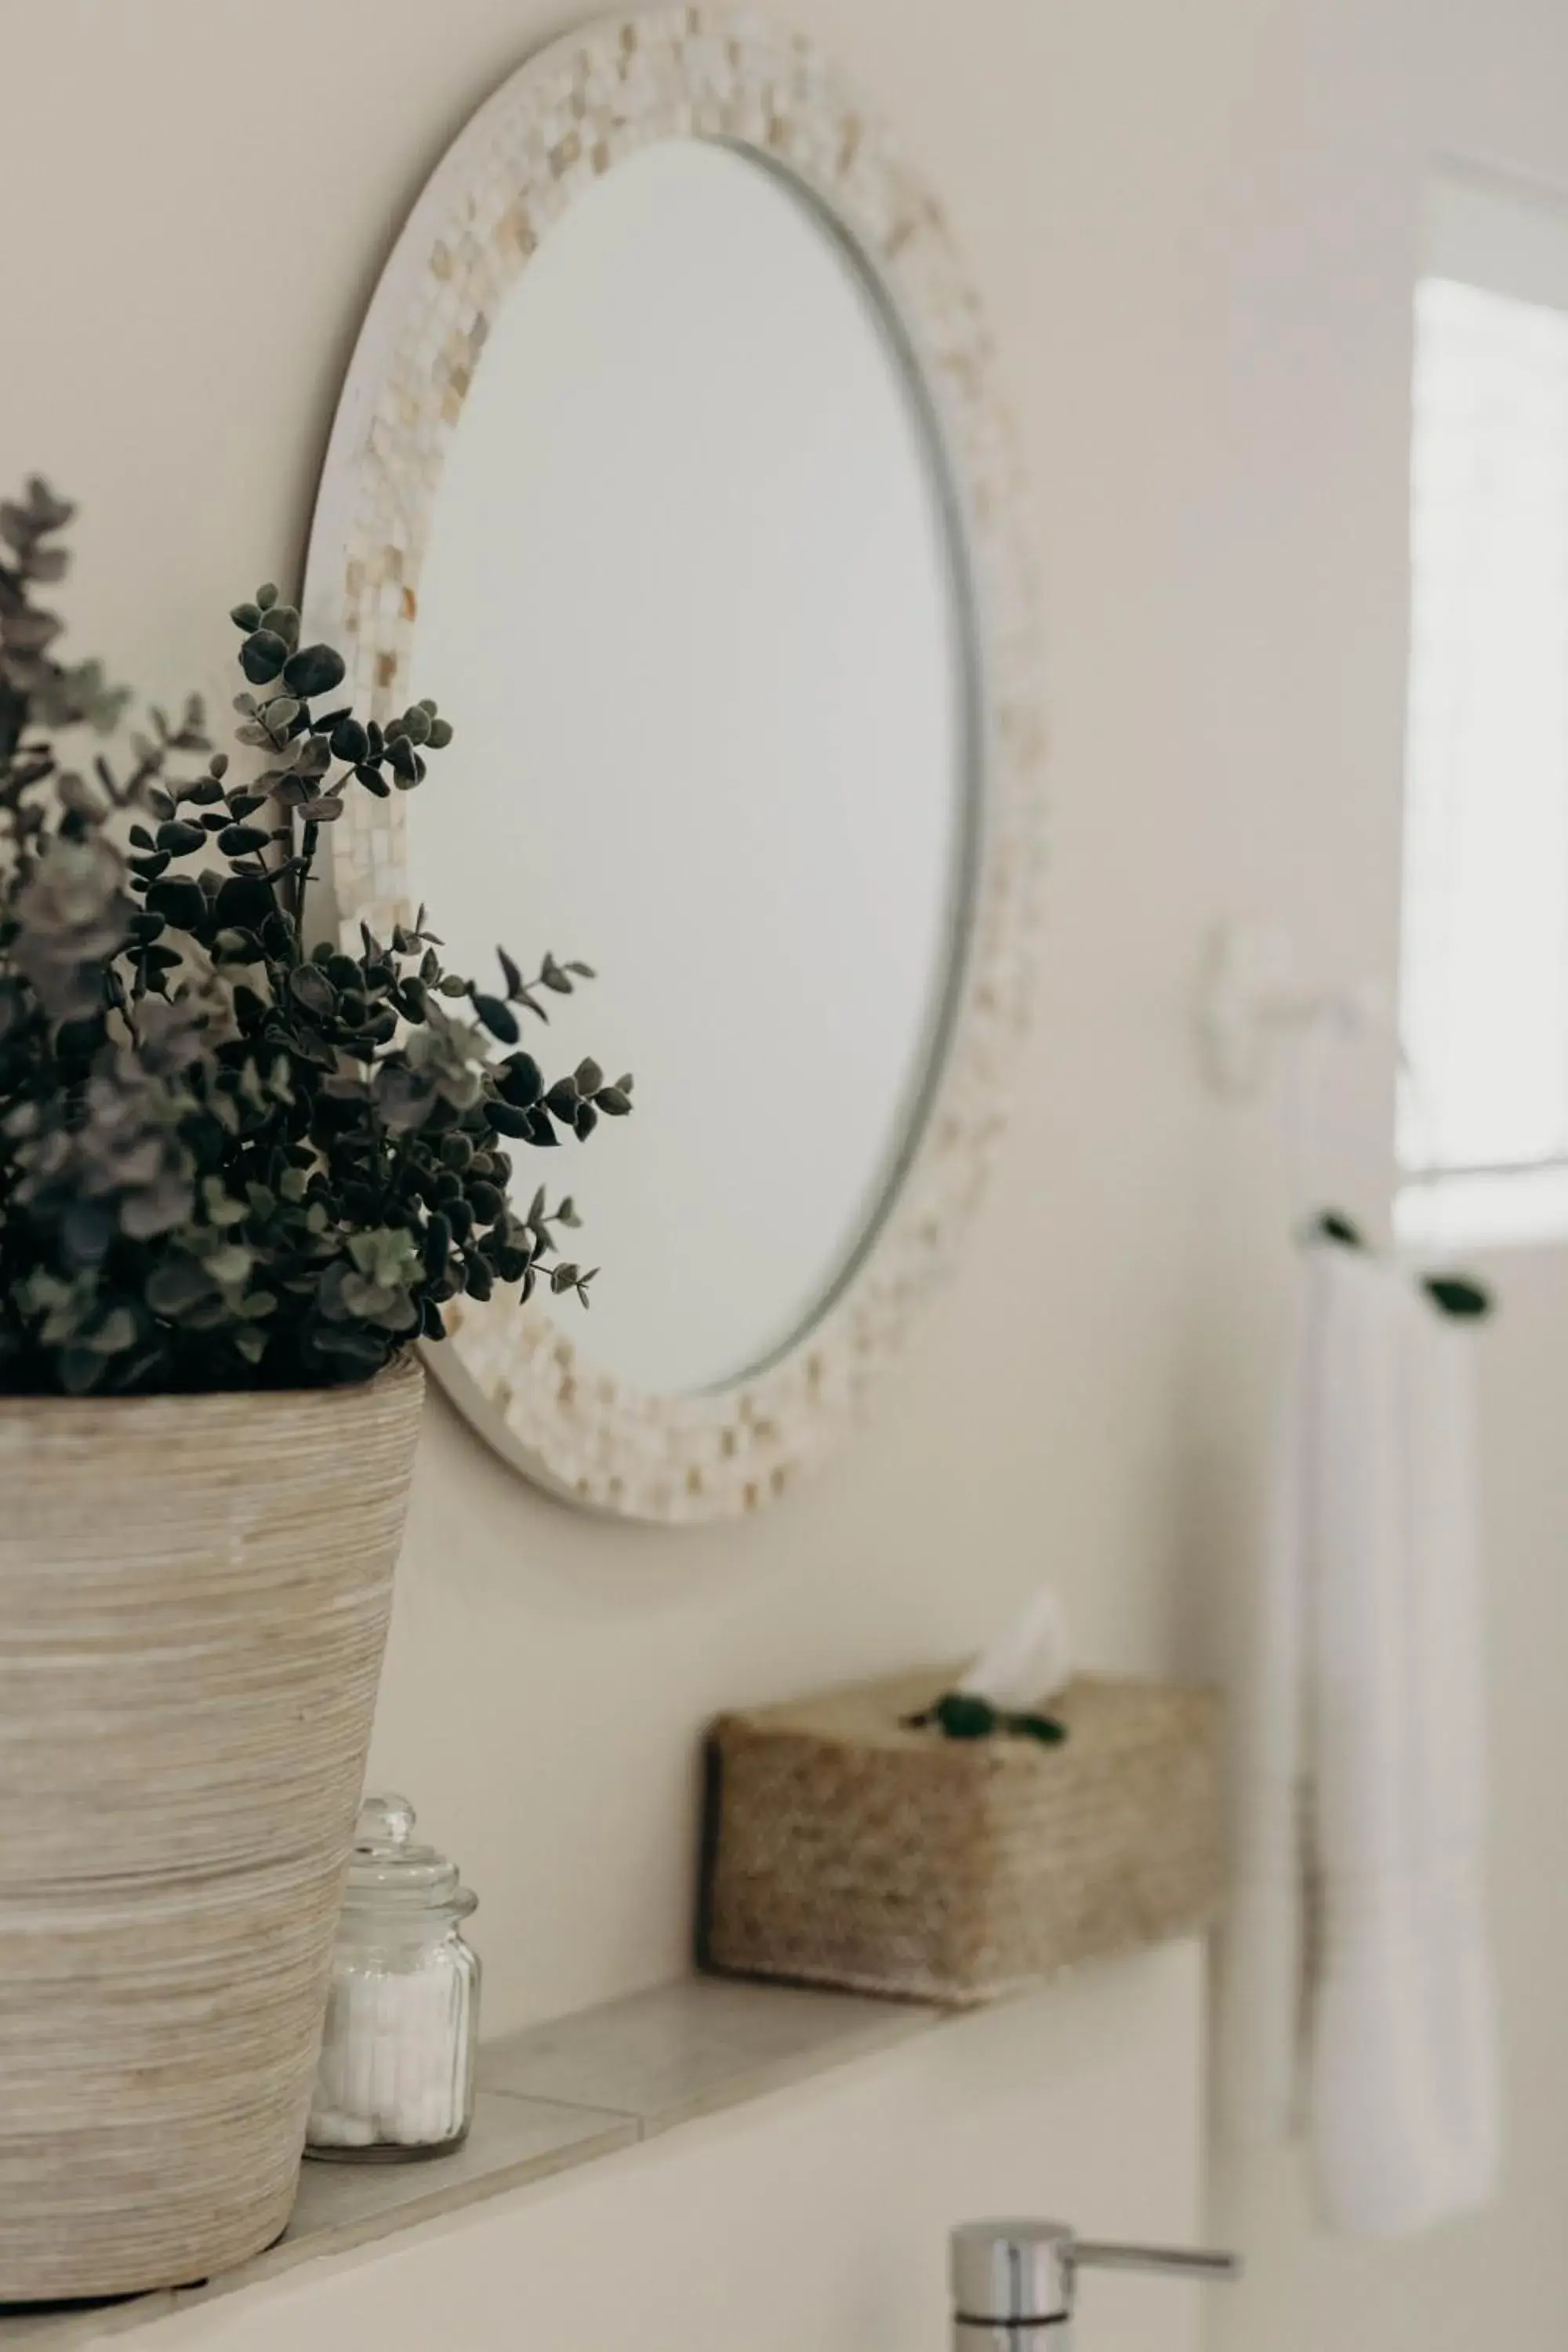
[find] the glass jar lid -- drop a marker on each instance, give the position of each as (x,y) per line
(388,1872)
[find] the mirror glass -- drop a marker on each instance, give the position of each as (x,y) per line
(693,601)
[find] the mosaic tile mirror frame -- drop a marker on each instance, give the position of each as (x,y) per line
(721,1434)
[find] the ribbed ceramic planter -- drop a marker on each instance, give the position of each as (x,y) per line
(193,1599)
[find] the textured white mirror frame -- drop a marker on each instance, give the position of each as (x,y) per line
(568,116)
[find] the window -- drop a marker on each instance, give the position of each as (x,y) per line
(1482,1131)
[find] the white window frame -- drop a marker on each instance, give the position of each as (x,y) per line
(1496,238)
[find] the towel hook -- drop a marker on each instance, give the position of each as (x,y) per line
(1251,996)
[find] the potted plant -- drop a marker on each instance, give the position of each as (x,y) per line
(240,1169)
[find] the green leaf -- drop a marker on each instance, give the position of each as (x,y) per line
(242,903)
(506,1121)
(498,1017)
(246,616)
(262,655)
(80,1369)
(176,1284)
(310,987)
(1046,1729)
(960,1715)
(115,1333)
(1455,1296)
(311,757)
(86,1231)
(358,1352)
(314,669)
(181,902)
(521,1081)
(179,837)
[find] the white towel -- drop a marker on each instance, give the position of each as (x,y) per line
(1357,1999)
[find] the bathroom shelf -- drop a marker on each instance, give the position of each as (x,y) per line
(550,2099)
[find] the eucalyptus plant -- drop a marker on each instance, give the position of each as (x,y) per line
(232,1155)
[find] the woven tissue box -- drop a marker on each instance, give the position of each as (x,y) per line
(844,1848)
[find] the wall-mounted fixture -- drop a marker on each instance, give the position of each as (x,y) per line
(1253,998)
(1014,2283)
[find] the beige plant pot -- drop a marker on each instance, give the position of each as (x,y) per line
(193,1599)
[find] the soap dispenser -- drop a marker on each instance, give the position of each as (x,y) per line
(1013,2283)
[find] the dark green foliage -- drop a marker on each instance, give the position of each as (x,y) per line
(315,669)
(1048,1730)
(1451,1293)
(1457,1297)
(262,655)
(960,1715)
(227,1160)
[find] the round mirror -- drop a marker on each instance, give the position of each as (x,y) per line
(690,598)
(667,464)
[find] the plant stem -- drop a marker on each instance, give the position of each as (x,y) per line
(308,840)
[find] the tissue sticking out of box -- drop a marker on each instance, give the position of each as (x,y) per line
(1029,1660)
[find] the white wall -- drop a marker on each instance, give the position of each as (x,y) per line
(1195,229)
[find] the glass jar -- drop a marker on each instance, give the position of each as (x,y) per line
(397,2073)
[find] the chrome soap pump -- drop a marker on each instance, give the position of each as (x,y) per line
(1013,2283)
